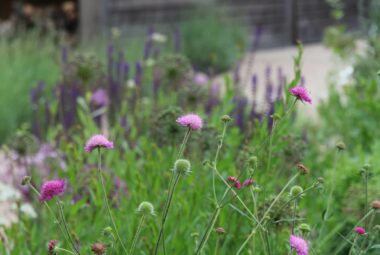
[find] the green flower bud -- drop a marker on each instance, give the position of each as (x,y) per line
(26,180)
(182,166)
(341,146)
(304,228)
(296,190)
(226,118)
(146,209)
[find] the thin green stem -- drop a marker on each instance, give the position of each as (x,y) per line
(65,225)
(52,213)
(106,201)
(137,235)
(366,196)
(294,215)
(179,155)
(166,213)
(266,213)
(64,250)
(208,230)
(220,144)
(217,246)
(353,245)
(349,233)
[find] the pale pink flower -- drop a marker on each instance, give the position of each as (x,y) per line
(200,79)
(98,141)
(191,120)
(248,182)
(299,245)
(100,97)
(360,230)
(301,94)
(52,188)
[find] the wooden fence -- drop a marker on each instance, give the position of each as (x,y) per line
(282,21)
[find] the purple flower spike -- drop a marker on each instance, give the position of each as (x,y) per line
(98,141)
(191,120)
(299,244)
(52,188)
(301,94)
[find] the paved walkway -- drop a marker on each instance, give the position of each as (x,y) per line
(317,63)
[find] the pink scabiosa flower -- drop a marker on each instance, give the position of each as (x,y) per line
(360,230)
(299,244)
(51,247)
(100,97)
(200,79)
(98,141)
(52,188)
(237,184)
(232,179)
(191,120)
(301,94)
(248,182)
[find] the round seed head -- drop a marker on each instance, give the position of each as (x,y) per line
(341,146)
(182,166)
(226,118)
(296,191)
(98,248)
(146,209)
(305,228)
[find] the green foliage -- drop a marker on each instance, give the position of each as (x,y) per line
(212,43)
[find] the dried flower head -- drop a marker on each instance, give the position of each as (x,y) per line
(52,188)
(220,231)
(376,205)
(360,230)
(98,248)
(302,169)
(52,246)
(191,120)
(146,208)
(299,245)
(341,146)
(182,167)
(98,141)
(301,94)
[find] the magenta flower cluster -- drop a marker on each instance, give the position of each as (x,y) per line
(360,230)
(301,94)
(52,188)
(237,184)
(98,141)
(299,245)
(191,120)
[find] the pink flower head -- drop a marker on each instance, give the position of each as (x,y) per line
(52,188)
(200,79)
(98,141)
(301,93)
(51,246)
(248,182)
(100,97)
(237,184)
(360,230)
(299,244)
(232,179)
(191,120)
